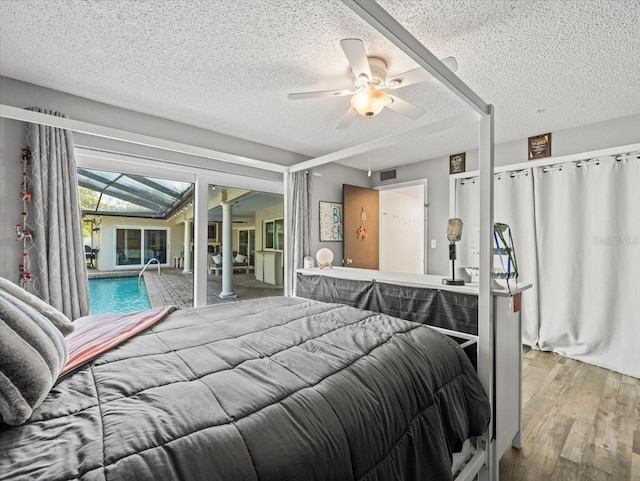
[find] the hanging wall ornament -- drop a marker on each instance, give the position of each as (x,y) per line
(22,232)
(363,233)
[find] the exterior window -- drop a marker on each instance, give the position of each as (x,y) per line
(212,232)
(278,237)
(274,234)
(137,246)
(268,234)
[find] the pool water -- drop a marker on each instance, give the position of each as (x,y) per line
(118,295)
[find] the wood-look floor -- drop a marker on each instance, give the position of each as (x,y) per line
(580,422)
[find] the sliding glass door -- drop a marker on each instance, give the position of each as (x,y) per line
(155,241)
(247,243)
(135,246)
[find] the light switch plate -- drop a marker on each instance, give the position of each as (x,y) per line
(433,243)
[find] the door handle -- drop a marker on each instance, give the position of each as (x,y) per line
(348,261)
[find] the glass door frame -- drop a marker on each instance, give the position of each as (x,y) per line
(142,229)
(201,217)
(251,243)
(201,178)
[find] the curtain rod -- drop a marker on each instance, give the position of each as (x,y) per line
(633,155)
(621,152)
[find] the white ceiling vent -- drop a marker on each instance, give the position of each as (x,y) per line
(387,175)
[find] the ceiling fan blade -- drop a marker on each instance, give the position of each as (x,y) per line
(418,75)
(357,57)
(405,108)
(348,117)
(322,93)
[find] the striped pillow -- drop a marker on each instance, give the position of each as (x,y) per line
(32,353)
(58,319)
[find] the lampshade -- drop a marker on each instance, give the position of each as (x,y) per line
(324,257)
(370,101)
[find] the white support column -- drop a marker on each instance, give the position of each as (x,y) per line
(486,321)
(289,268)
(186,268)
(200,216)
(227,252)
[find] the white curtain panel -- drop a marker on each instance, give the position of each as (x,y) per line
(588,230)
(514,206)
(60,274)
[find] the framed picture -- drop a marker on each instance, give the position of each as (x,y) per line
(330,221)
(540,146)
(457,163)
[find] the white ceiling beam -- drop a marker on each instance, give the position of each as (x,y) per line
(16,113)
(378,18)
(394,139)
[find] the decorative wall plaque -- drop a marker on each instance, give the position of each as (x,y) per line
(540,146)
(457,163)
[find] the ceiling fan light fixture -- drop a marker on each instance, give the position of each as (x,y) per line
(370,101)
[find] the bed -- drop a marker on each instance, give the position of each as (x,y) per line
(271,389)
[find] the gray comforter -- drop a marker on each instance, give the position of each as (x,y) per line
(268,389)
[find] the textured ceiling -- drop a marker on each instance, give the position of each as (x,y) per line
(228,65)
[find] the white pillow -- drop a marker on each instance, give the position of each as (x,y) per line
(217,259)
(241,258)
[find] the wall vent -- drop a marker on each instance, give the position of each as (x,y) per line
(387,175)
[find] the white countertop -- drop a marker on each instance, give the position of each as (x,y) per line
(403,279)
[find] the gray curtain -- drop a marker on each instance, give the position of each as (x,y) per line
(301,186)
(59,267)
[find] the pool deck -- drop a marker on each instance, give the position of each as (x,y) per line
(173,287)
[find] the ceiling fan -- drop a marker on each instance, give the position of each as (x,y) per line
(370,82)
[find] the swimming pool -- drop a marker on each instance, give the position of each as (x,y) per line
(117,295)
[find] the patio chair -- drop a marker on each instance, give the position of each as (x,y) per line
(89,255)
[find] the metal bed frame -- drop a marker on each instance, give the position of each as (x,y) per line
(484,464)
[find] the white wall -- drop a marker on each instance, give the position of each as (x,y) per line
(601,135)
(402,230)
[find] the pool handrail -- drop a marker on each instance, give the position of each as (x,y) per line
(145,268)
